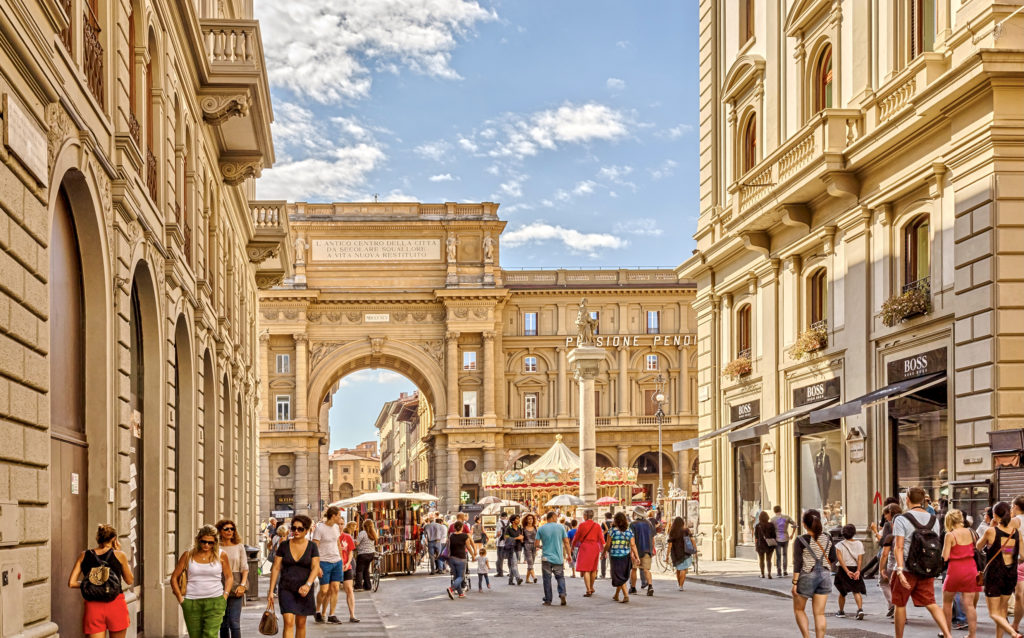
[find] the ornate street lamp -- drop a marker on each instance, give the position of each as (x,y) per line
(659,416)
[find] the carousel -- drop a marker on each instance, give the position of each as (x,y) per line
(555,473)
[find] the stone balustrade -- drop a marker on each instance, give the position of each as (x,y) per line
(230,42)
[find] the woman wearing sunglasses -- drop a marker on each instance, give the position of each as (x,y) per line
(232,547)
(297,564)
(201,582)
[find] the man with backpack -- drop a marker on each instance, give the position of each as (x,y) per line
(499,542)
(917,547)
(782,523)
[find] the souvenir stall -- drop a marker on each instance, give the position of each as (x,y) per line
(399,518)
(556,472)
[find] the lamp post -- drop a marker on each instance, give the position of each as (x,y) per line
(659,416)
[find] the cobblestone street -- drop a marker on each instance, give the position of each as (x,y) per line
(417,605)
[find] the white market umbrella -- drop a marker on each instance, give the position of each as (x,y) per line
(565,500)
(488,500)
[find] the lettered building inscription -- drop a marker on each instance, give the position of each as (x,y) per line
(376,249)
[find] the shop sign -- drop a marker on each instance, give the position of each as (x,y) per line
(743,411)
(917,365)
(767,459)
(856,449)
(816,392)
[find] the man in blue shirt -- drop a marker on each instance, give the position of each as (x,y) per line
(553,540)
(643,536)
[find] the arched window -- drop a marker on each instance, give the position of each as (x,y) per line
(748,145)
(823,81)
(817,296)
(916,253)
(747,21)
(922,26)
(743,332)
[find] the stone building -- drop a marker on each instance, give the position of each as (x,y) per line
(859,255)
(128,290)
(418,289)
(402,425)
(353,471)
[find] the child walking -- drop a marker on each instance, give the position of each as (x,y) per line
(483,570)
(848,578)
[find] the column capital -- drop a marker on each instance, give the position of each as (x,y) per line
(488,335)
(264,337)
(300,337)
(452,335)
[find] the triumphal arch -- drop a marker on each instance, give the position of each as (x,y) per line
(418,289)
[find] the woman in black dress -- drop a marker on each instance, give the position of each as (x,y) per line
(1002,548)
(297,563)
(765,541)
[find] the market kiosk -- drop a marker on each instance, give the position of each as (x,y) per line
(398,517)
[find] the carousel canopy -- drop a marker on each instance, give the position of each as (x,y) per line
(559,467)
(558,458)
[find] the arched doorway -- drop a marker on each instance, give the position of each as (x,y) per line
(184,439)
(647,474)
(209,439)
(69,468)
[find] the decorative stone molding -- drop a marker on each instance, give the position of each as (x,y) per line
(797,215)
(217,109)
(59,127)
(758,241)
(235,172)
(258,254)
(268,280)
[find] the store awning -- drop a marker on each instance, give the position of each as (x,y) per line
(887,393)
(763,427)
(693,444)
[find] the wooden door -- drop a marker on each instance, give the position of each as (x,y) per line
(68,448)
(650,406)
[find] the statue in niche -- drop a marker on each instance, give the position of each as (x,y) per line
(585,325)
(300,250)
(488,249)
(451,244)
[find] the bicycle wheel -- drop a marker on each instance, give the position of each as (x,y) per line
(375,574)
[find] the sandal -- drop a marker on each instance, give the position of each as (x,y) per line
(625,599)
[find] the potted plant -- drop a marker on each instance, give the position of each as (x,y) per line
(738,367)
(814,338)
(913,301)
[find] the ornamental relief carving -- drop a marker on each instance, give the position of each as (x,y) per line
(217,109)
(236,172)
(320,349)
(434,348)
(480,313)
(257,255)
(59,127)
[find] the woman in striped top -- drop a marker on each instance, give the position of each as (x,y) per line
(813,557)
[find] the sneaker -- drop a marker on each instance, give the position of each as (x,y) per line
(961,626)
(681,589)
(461,595)
(860,614)
(840,614)
(333,620)
(353,619)
(318,617)
(891,612)
(519,581)
(650,590)
(562,598)
(546,603)
(632,590)
(451,594)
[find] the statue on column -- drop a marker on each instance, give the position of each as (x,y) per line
(585,325)
(300,250)
(450,244)
(488,249)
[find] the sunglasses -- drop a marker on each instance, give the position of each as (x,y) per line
(228,529)
(296,528)
(206,542)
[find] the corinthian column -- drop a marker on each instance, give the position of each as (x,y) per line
(489,365)
(623,381)
(585,361)
(452,339)
(562,407)
(301,376)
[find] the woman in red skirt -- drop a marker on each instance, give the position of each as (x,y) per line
(962,571)
(103,616)
(589,540)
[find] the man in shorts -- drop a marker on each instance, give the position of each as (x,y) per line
(326,535)
(907,586)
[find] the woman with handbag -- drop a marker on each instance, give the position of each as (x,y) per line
(765,542)
(99,573)
(297,565)
(681,549)
(812,579)
(621,551)
(232,546)
(1001,543)
(588,542)
(962,571)
(202,582)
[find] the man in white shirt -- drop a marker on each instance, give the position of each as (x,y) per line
(499,542)
(907,586)
(326,535)
(434,533)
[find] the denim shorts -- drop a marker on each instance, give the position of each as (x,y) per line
(815,582)
(333,572)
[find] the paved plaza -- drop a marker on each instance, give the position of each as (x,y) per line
(417,605)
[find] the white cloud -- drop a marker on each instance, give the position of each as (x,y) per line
(492,169)
(511,188)
(639,226)
(372,376)
(678,131)
(526,135)
(443,177)
(467,145)
(585,187)
(615,173)
(435,151)
(574,240)
(667,169)
(326,49)
(615,84)
(622,44)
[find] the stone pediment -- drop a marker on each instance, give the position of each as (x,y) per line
(803,13)
(528,382)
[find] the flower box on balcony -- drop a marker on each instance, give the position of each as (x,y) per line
(737,368)
(916,299)
(810,340)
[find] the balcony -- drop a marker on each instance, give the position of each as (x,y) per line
(92,61)
(282,426)
(808,164)
(233,90)
(522,424)
(471,422)
(270,247)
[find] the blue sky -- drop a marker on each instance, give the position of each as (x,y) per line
(578,116)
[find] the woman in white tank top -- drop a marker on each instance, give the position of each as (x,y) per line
(201,582)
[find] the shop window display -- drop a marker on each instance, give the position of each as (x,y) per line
(750,493)
(821,476)
(920,433)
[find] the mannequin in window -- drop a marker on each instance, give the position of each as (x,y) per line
(823,473)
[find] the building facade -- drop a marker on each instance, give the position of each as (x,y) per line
(128,281)
(859,256)
(353,471)
(418,289)
(402,425)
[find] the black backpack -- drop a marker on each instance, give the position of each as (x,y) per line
(101,584)
(925,556)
